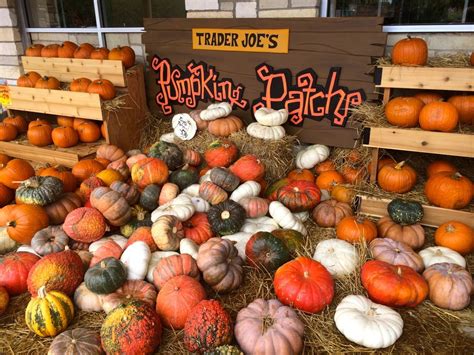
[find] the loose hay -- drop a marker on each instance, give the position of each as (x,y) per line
(456,60)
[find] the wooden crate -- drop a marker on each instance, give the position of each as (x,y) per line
(433,216)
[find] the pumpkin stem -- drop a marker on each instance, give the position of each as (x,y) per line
(11,224)
(267,322)
(457,175)
(42,292)
(102,265)
(225,214)
(400,165)
(399,271)
(450,228)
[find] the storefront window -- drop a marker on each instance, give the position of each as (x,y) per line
(60,13)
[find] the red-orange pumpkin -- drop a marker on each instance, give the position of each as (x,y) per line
(328,179)
(109,249)
(46,82)
(149,171)
(88,132)
(221,153)
(6,195)
(83,51)
(8,132)
(14,269)
(456,236)
(439,116)
(28,80)
(66,49)
(125,54)
(299,195)
(17,121)
(103,87)
(174,265)
(34,50)
(398,178)
(23,221)
(85,225)
(88,185)
(248,167)
(410,52)
(86,168)
(50,51)
(301,174)
(464,104)
(439,166)
(449,190)
(198,228)
(142,234)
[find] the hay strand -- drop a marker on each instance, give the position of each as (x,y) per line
(453,60)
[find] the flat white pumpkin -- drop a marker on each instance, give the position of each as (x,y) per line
(338,256)
(264,132)
(215,111)
(367,323)
(285,219)
(269,117)
(86,300)
(436,255)
(312,155)
(27,249)
(181,207)
(136,259)
(200,204)
(192,190)
(301,216)
(247,189)
(154,260)
(261,224)
(240,239)
(117,238)
(188,246)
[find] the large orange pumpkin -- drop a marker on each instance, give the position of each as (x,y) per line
(149,171)
(356,229)
(66,49)
(410,52)
(103,87)
(429,96)
(465,106)
(224,127)
(403,111)
(398,178)
(50,51)
(80,85)
(18,121)
(48,82)
(34,50)
(28,80)
(456,236)
(14,171)
(100,53)
(88,132)
(86,168)
(449,190)
(68,179)
(40,135)
(23,221)
(8,132)
(439,116)
(439,166)
(64,137)
(83,51)
(328,179)
(125,54)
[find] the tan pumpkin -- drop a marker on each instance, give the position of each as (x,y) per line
(412,235)
(112,205)
(129,192)
(174,265)
(254,206)
(167,232)
(224,127)
(110,152)
(57,211)
(395,253)
(77,341)
(329,213)
(130,290)
(168,192)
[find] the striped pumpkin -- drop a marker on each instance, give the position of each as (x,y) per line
(50,313)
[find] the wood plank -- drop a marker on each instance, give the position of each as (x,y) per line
(457,79)
(433,216)
(68,69)
(412,140)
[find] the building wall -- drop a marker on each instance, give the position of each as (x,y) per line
(10,42)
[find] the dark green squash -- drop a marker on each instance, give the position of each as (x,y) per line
(168,152)
(224,350)
(39,190)
(405,212)
(149,197)
(224,178)
(226,217)
(184,177)
(265,250)
(141,218)
(106,276)
(293,239)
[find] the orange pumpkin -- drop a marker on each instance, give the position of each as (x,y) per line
(88,132)
(77,122)
(68,179)
(100,53)
(40,135)
(64,121)
(103,131)
(403,111)
(464,104)
(149,171)
(103,161)
(83,51)
(28,80)
(80,85)
(398,178)
(34,50)
(224,127)
(125,54)
(439,116)
(328,179)
(353,175)
(46,82)
(301,174)
(342,194)
(86,168)
(381,163)
(4,159)
(439,166)
(17,121)
(64,137)
(14,171)
(103,87)
(50,51)
(449,190)
(38,122)
(23,221)
(327,165)
(410,52)
(456,236)
(6,195)
(66,50)
(8,132)
(429,96)
(355,229)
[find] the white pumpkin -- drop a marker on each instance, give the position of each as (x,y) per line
(205,177)
(136,259)
(285,219)
(200,204)
(154,260)
(188,246)
(339,257)
(181,206)
(117,238)
(260,224)
(215,111)
(86,300)
(192,190)
(6,243)
(169,137)
(27,249)
(367,323)
(312,155)
(264,132)
(240,239)
(269,117)
(301,216)
(325,195)
(247,189)
(436,255)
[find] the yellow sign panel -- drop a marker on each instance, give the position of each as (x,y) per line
(238,40)
(5,99)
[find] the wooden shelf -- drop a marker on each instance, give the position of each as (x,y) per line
(412,140)
(433,216)
(68,69)
(50,154)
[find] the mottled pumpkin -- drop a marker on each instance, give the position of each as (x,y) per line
(112,205)
(224,178)
(184,177)
(85,225)
(106,276)
(39,190)
(149,171)
(405,212)
(168,152)
(212,193)
(264,250)
(88,185)
(299,195)
(149,198)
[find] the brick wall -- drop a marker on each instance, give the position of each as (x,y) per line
(438,43)
(10,42)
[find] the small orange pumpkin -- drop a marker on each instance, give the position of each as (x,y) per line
(66,50)
(100,53)
(40,135)
(46,82)
(449,190)
(80,85)
(464,104)
(353,175)
(456,236)
(28,80)
(224,127)
(327,165)
(17,121)
(83,51)
(342,193)
(125,54)
(34,50)
(8,132)
(14,171)
(38,122)
(88,132)
(410,52)
(86,168)
(439,116)
(63,174)
(355,229)
(103,87)
(64,121)
(398,178)
(50,51)
(328,179)
(64,137)
(439,166)
(403,111)
(103,131)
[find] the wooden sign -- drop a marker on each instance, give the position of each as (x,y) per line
(238,40)
(327,70)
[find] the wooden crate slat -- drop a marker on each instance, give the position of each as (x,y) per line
(454,144)
(433,216)
(68,69)
(426,78)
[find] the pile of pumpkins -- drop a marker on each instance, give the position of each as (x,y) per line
(150,237)
(69,131)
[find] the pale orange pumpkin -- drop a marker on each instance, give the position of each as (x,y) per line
(398,178)
(224,127)
(464,104)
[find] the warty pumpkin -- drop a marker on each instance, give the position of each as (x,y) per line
(87,186)
(39,190)
(410,52)
(85,224)
(403,111)
(221,153)
(130,290)
(449,190)
(439,116)
(399,178)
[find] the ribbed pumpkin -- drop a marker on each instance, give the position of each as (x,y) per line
(412,235)
(329,213)
(49,240)
(174,265)
(109,176)
(207,326)
(107,249)
(221,152)
(142,234)
(328,179)
(86,168)
(39,190)
(49,313)
(254,206)
(395,253)
(131,328)
(88,185)
(272,189)
(80,85)
(176,300)
(168,192)
(264,250)
(34,50)
(226,217)
(106,276)
(77,341)
(456,236)
(112,205)
(23,221)
(85,225)
(405,212)
(130,290)
(198,228)
(465,107)
(301,174)
(248,167)
(224,179)
(439,116)
(61,271)
(15,171)
(212,193)
(168,152)
(14,269)
(140,218)
(356,229)
(192,157)
(149,197)
(299,195)
(410,52)
(65,121)
(398,178)
(149,171)
(46,82)
(68,179)
(110,152)
(129,192)
(403,111)
(184,177)
(121,167)
(167,232)
(449,190)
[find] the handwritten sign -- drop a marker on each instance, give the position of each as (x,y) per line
(241,40)
(184,126)
(5,99)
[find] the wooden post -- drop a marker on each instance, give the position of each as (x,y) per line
(386,95)
(374,165)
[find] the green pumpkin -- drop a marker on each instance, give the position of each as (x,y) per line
(39,190)
(141,218)
(265,250)
(184,177)
(226,217)
(293,239)
(224,178)
(168,152)
(106,276)
(149,197)
(405,212)
(224,350)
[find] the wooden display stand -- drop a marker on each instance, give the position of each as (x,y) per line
(123,116)
(415,140)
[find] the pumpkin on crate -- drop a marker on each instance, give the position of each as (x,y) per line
(412,235)
(103,87)
(77,122)
(439,116)
(48,82)
(264,250)
(167,231)
(220,264)
(61,271)
(328,179)
(299,195)
(403,111)
(40,135)
(198,228)
(410,52)
(34,50)
(167,152)
(130,290)
(123,53)
(149,197)
(38,122)
(4,159)
(169,191)
(135,320)
(112,205)
(129,192)
(100,53)
(80,85)
(464,104)
(66,49)
(439,166)
(405,212)
(339,257)
(106,276)
(68,179)
(8,132)
(85,224)
(224,127)
(221,153)
(356,229)
(149,171)
(208,325)
(226,217)
(262,324)
(429,96)
(4,300)
(88,132)
(83,51)
(395,253)
(50,51)
(456,236)
(142,234)
(329,213)
(436,255)
(76,341)
(448,190)
(304,276)
(397,177)
(18,121)
(14,270)
(450,286)
(49,313)
(49,240)
(393,285)
(23,221)
(6,195)
(86,168)
(136,258)
(174,265)
(86,300)
(39,190)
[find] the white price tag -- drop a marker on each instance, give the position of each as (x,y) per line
(184,126)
